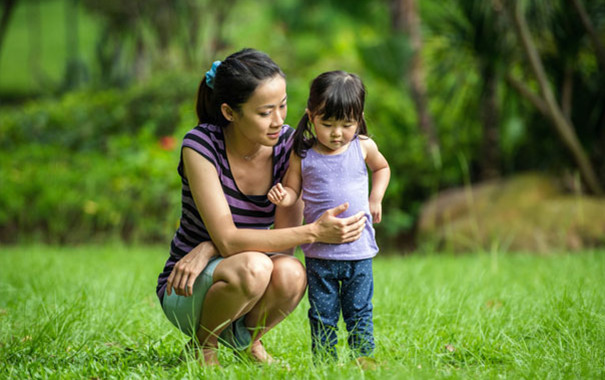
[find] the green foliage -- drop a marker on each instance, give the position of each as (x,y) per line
(94,165)
(108,134)
(91,312)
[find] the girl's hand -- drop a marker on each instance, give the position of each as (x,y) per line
(190,266)
(376,211)
(334,230)
(277,194)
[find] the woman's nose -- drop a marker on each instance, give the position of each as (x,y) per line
(278,118)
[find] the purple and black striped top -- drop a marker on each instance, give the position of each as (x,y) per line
(248,211)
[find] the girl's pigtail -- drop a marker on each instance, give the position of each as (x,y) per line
(303,137)
(362,128)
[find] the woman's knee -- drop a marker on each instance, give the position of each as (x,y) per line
(254,273)
(289,276)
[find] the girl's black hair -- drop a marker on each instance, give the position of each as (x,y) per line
(236,79)
(333,94)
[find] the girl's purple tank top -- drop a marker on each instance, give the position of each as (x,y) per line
(328,181)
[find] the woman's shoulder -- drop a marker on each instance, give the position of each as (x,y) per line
(207,140)
(286,138)
(206,134)
(287,132)
(204,130)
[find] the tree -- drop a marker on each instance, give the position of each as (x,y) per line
(8,6)
(406,19)
(547,103)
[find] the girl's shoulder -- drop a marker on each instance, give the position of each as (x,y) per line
(367,144)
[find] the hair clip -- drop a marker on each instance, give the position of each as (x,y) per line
(210,74)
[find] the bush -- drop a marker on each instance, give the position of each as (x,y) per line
(94,165)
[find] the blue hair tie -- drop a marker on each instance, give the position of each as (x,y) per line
(210,74)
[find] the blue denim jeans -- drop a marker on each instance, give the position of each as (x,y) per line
(336,286)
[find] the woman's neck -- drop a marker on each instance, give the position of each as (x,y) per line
(239,146)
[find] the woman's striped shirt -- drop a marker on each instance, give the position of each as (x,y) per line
(248,211)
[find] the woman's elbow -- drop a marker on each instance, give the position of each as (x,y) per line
(225,245)
(224,248)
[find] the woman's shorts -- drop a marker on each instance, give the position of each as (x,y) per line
(185,312)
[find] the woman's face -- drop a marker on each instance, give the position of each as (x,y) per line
(262,117)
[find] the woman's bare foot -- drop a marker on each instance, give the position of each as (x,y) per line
(208,357)
(259,354)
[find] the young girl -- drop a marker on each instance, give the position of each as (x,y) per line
(329,167)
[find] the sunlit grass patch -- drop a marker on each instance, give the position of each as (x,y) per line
(92,312)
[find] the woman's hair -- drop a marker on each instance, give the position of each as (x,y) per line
(334,94)
(235,80)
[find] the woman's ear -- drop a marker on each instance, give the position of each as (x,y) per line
(227,112)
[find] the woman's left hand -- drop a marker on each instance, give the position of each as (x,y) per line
(189,267)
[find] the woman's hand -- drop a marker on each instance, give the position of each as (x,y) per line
(334,230)
(190,266)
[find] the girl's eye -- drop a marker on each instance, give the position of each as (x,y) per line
(283,106)
(265,114)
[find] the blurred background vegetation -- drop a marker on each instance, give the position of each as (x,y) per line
(95,97)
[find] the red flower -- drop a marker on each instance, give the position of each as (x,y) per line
(167,142)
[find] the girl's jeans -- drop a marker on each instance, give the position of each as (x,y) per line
(335,286)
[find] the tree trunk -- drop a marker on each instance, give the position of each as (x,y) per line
(490,121)
(406,20)
(75,70)
(8,7)
(562,125)
(567,91)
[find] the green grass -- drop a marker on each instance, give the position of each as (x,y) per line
(91,312)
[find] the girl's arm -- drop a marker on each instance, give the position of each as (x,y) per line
(289,217)
(288,193)
(228,239)
(381,174)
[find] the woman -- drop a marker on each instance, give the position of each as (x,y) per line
(229,275)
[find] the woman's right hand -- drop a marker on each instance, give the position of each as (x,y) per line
(336,230)
(188,268)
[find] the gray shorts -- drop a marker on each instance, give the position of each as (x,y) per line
(185,312)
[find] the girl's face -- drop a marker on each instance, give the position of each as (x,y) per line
(333,136)
(262,117)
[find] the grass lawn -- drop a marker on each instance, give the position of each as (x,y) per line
(91,312)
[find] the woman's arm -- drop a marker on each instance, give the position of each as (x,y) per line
(228,239)
(187,269)
(381,174)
